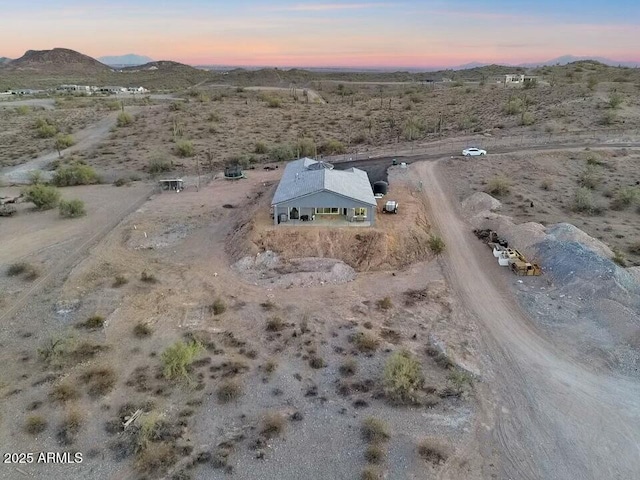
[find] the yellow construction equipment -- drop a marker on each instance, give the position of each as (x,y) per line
(522,267)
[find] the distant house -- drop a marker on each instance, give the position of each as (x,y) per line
(86,89)
(137,90)
(112,89)
(516,79)
(313,193)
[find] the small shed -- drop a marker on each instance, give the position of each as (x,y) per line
(176,184)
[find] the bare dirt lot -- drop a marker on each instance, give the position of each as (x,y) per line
(281,373)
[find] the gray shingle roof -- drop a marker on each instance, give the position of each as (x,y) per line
(298,181)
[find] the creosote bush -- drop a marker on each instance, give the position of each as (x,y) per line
(124,119)
(72,208)
(384,303)
(366,342)
(35,424)
(185,148)
(178,357)
(76,173)
(499,186)
(218,307)
(273,425)
(433,451)
(44,197)
(583,200)
(142,330)
(228,391)
(436,244)
(93,322)
(402,378)
(374,430)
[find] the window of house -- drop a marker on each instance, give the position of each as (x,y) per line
(327,211)
(361,211)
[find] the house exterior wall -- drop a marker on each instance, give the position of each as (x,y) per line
(306,205)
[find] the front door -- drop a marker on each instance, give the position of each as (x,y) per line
(294,214)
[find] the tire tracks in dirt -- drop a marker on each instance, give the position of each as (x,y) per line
(554,418)
(73,258)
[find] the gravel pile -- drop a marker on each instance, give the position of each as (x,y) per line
(480,202)
(583,299)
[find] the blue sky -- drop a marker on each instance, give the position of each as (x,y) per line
(307,33)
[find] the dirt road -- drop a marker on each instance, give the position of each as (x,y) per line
(551,418)
(85,139)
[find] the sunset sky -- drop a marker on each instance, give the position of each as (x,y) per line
(297,33)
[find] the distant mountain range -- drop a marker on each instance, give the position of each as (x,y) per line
(128,60)
(4,60)
(563,60)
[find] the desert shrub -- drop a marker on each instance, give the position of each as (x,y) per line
(305,147)
(72,208)
(592,82)
(142,330)
(634,248)
(273,102)
(436,244)
(366,342)
(178,357)
(121,182)
(70,427)
(374,454)
(45,128)
(158,165)
(63,392)
(99,381)
(124,119)
(527,118)
(618,257)
(459,378)
(147,277)
(513,106)
(218,307)
(583,200)
(615,100)
(402,378)
(19,268)
(608,118)
(120,280)
(35,177)
(499,186)
(35,424)
(66,351)
(316,362)
(273,424)
(384,303)
(433,451)
(589,177)
(281,153)
(23,110)
(185,148)
(333,147)
(260,148)
(270,366)
(75,174)
(374,430)
(64,140)
(275,324)
(92,323)
(348,368)
(625,197)
(155,459)
(228,391)
(44,197)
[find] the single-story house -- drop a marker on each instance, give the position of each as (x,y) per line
(517,79)
(312,192)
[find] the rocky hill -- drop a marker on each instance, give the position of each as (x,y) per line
(163,66)
(59,61)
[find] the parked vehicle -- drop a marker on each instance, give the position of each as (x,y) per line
(473,151)
(390,207)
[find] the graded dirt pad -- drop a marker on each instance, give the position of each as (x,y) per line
(163,275)
(543,188)
(395,241)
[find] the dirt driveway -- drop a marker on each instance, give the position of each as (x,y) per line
(551,418)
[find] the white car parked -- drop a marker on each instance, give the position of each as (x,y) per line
(473,151)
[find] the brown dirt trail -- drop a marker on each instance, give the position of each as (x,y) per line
(554,418)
